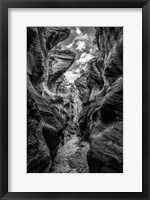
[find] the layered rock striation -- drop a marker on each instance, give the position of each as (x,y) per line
(101,92)
(60,61)
(45,122)
(91,108)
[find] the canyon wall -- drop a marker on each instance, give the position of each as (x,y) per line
(45,121)
(91,107)
(101,93)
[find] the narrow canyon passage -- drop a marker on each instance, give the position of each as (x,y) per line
(74,99)
(71,158)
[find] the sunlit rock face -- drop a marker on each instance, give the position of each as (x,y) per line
(59,62)
(101,122)
(77,104)
(39,43)
(45,123)
(51,36)
(82,86)
(95,80)
(91,81)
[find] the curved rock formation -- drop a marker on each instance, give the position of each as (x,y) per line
(106,131)
(60,61)
(39,43)
(48,129)
(51,36)
(45,123)
(101,122)
(38,154)
(81,84)
(92,108)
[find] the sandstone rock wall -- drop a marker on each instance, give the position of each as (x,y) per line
(45,123)
(92,107)
(101,92)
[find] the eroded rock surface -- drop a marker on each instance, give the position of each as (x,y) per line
(45,123)
(60,61)
(71,158)
(101,87)
(74,127)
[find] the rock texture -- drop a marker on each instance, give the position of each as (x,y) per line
(74,127)
(60,61)
(38,154)
(71,158)
(101,92)
(45,122)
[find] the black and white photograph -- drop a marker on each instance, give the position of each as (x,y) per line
(74,99)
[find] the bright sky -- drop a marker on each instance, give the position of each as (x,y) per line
(81,42)
(71,76)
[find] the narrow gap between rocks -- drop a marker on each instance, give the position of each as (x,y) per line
(72,152)
(74,99)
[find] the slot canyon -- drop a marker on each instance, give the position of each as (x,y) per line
(74,100)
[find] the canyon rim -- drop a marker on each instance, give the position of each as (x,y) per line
(74,99)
